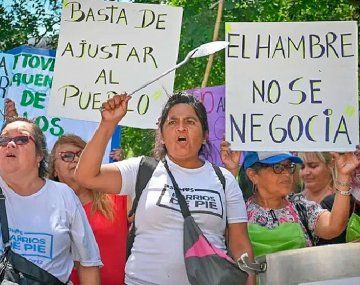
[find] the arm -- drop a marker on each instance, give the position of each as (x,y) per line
(89,275)
(230,158)
(331,224)
(239,243)
(89,172)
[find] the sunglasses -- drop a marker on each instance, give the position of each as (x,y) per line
(69,156)
(279,168)
(18,140)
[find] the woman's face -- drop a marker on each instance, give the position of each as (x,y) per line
(271,184)
(182,135)
(315,174)
(18,155)
(65,160)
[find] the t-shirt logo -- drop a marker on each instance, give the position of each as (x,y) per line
(32,244)
(198,200)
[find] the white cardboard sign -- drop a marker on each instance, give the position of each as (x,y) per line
(106,48)
(292,86)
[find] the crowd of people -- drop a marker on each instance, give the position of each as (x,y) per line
(69,214)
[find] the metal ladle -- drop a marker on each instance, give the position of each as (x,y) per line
(203,50)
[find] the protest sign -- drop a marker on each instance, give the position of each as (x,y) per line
(106,48)
(213,99)
(31,84)
(292,86)
(6,63)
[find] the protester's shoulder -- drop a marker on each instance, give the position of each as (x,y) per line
(231,185)
(129,162)
(227,174)
(59,187)
(61,191)
(311,206)
(297,198)
(250,203)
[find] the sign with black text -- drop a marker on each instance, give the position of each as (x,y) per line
(292,86)
(106,48)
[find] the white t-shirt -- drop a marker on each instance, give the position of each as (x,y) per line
(157,253)
(50,229)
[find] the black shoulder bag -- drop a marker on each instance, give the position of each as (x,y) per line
(15,269)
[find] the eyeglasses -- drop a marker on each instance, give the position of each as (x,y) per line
(18,140)
(278,168)
(69,156)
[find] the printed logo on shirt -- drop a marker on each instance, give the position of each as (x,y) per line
(198,200)
(31,244)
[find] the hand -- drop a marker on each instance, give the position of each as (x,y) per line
(117,154)
(357,152)
(231,159)
(10,109)
(115,108)
(346,163)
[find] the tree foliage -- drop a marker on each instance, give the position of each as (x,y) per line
(137,142)
(22,20)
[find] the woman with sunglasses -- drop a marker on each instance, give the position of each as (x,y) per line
(47,223)
(107,214)
(280,220)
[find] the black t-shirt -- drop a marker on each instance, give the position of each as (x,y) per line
(327,203)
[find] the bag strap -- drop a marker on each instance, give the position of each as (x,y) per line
(181,199)
(220,175)
(31,270)
(222,179)
(303,219)
(3,220)
(146,169)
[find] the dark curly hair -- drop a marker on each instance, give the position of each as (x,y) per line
(181,98)
(40,142)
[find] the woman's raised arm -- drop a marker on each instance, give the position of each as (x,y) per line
(89,172)
(331,224)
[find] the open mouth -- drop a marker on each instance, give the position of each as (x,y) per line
(10,155)
(181,139)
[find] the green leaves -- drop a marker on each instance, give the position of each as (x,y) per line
(21,20)
(137,142)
